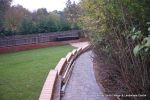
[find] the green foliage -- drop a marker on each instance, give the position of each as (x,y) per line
(72,13)
(52,22)
(18,20)
(137,49)
(64,25)
(26,26)
(143,46)
(14,17)
(109,24)
(4,5)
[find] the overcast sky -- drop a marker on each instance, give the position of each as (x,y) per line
(50,5)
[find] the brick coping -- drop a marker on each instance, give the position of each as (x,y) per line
(48,88)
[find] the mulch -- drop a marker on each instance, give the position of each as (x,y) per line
(101,70)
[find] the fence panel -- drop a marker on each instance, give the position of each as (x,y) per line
(17,40)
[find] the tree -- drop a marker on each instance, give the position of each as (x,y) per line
(4,5)
(42,12)
(13,18)
(18,20)
(49,23)
(64,23)
(71,12)
(27,26)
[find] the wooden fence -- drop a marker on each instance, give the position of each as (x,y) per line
(18,40)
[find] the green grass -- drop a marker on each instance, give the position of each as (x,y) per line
(22,74)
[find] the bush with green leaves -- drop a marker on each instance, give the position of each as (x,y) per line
(109,24)
(142,46)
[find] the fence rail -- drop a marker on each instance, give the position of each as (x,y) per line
(17,40)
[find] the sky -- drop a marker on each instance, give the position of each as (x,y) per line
(50,5)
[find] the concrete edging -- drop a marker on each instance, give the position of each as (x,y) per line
(48,88)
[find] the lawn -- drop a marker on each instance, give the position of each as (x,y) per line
(22,74)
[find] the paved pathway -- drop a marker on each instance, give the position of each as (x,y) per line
(79,44)
(82,84)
